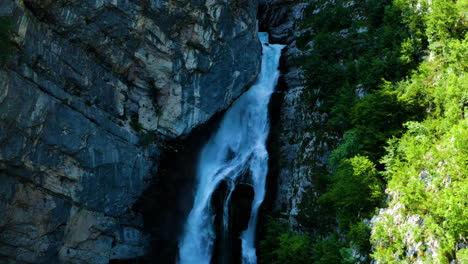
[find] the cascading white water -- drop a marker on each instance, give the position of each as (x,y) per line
(239,146)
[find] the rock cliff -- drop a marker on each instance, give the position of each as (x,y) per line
(89,80)
(295,140)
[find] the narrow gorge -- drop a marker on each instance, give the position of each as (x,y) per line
(233,131)
(236,154)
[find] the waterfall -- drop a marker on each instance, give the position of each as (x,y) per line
(237,148)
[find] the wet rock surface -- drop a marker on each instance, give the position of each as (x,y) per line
(296,143)
(87,80)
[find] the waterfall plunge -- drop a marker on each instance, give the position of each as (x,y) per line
(239,146)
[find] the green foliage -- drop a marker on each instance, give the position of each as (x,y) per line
(391,78)
(378,117)
(327,250)
(427,181)
(282,246)
(352,55)
(135,124)
(146,137)
(6,44)
(271,240)
(427,167)
(293,249)
(347,149)
(359,48)
(359,234)
(462,255)
(355,190)
(444,22)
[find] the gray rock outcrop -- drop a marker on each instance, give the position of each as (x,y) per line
(87,80)
(299,144)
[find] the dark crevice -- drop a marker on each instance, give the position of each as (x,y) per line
(165,204)
(274,109)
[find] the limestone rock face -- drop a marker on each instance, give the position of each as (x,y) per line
(298,141)
(281,18)
(85,76)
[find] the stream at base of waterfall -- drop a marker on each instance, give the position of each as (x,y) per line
(237,148)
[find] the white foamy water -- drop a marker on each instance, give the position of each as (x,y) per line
(239,146)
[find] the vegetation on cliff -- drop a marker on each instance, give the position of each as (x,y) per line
(391,77)
(6,46)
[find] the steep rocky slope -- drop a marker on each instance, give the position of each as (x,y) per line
(388,79)
(294,141)
(89,79)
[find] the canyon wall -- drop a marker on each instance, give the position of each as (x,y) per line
(294,141)
(88,101)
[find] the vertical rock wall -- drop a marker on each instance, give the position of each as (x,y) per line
(87,80)
(297,142)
